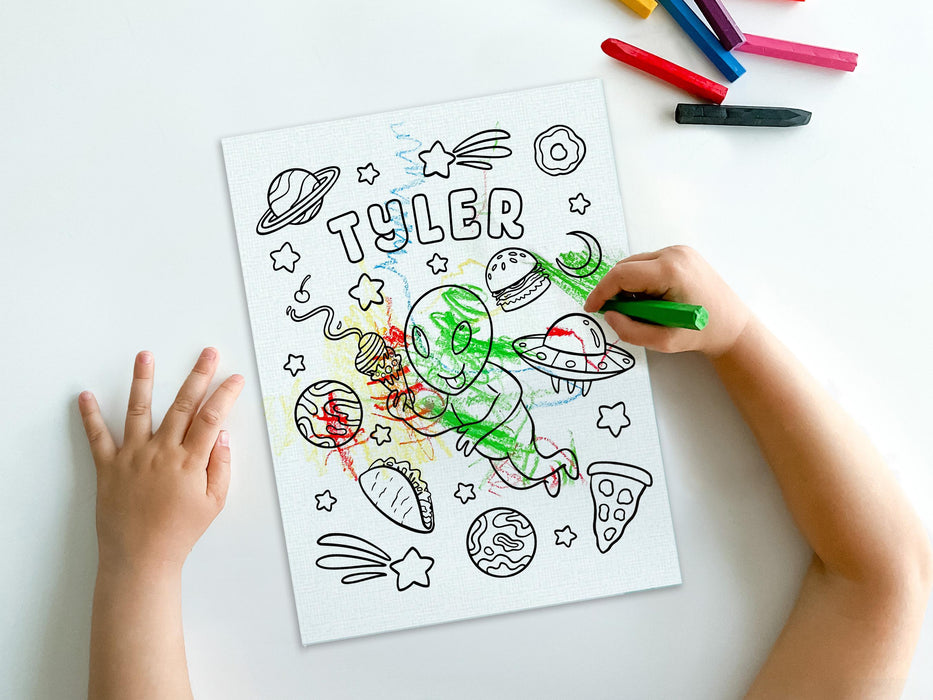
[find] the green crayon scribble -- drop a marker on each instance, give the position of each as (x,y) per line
(577,289)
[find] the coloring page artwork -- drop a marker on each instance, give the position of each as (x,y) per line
(452,435)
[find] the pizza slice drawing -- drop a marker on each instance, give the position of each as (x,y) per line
(616,489)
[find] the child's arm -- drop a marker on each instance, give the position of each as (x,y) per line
(156,495)
(857,619)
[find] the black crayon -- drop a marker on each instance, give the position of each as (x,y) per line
(734,115)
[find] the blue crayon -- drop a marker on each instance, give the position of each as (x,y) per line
(704,38)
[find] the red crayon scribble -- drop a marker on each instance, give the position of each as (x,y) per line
(394,336)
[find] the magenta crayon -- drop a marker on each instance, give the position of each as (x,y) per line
(801,53)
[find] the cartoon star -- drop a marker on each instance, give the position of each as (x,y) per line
(465,493)
(579,204)
(438,264)
(325,501)
(613,418)
(436,161)
(381,434)
(565,536)
(295,364)
(368,174)
(367,291)
(412,569)
(284,258)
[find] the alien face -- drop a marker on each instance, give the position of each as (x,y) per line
(448,336)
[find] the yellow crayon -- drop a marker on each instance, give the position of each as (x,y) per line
(643,8)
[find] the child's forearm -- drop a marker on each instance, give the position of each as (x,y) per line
(841,495)
(137,643)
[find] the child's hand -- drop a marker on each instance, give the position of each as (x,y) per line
(676,274)
(157,494)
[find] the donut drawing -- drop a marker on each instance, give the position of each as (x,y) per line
(558,150)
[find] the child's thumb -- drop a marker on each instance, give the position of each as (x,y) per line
(218,469)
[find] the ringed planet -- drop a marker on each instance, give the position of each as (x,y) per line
(295,197)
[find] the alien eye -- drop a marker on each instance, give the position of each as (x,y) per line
(420,341)
(461,338)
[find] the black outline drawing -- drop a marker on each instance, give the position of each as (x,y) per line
(375,358)
(515,278)
(573,349)
(475,151)
(295,364)
(464,493)
(284,258)
(325,497)
(303,206)
(393,238)
(577,206)
(449,398)
(374,285)
(368,562)
(422,213)
(336,410)
(613,423)
(440,160)
(412,568)
(592,262)
(564,536)
(619,491)
(384,434)
(438,263)
(301,295)
(371,173)
(553,163)
(486,533)
(397,490)
(344,225)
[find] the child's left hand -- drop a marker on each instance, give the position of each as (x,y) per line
(158,493)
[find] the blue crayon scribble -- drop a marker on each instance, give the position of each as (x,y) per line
(415,170)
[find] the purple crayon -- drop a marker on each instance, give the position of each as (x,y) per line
(725,28)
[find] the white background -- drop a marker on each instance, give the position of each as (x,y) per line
(117,236)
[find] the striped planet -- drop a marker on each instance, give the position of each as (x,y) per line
(501,542)
(295,197)
(328,414)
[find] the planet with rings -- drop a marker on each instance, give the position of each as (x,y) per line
(295,197)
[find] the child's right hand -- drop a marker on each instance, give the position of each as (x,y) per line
(679,274)
(157,493)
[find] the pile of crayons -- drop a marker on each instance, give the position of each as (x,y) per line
(718,44)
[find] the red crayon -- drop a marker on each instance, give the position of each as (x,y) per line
(686,80)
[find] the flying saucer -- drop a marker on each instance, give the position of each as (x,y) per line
(295,197)
(574,349)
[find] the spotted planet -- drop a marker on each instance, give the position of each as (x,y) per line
(501,542)
(328,414)
(295,197)
(574,349)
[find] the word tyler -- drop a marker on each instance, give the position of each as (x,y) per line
(388,225)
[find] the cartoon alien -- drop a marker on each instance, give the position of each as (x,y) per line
(448,338)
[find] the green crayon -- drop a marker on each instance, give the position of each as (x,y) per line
(660,312)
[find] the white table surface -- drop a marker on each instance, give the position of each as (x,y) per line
(117,236)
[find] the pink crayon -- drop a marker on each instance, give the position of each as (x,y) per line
(802,53)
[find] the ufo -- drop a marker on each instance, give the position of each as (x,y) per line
(574,349)
(295,197)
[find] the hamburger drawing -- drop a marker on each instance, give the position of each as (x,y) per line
(515,278)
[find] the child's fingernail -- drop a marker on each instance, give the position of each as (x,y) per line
(145,357)
(209,353)
(237,378)
(85,396)
(224,438)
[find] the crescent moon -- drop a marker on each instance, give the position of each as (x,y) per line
(592,263)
